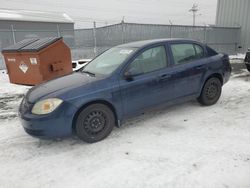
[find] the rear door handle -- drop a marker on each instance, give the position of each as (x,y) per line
(165,77)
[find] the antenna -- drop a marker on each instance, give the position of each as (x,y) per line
(194,9)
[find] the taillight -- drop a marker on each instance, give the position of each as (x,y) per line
(225,58)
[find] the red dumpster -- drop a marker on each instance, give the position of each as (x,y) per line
(33,61)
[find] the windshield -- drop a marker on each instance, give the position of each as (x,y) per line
(109,61)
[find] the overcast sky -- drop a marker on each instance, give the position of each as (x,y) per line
(84,12)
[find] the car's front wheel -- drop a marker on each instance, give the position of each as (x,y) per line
(94,123)
(211,92)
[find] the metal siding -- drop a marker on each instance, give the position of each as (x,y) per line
(248,27)
(235,13)
(230,13)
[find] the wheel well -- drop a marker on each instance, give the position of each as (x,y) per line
(95,102)
(216,75)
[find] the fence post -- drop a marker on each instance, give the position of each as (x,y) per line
(170,31)
(58,30)
(205,34)
(13,34)
(122,23)
(94,35)
(171,24)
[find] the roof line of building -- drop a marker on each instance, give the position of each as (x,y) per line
(34,16)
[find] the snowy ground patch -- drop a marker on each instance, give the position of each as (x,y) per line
(185,145)
(10,96)
(237,56)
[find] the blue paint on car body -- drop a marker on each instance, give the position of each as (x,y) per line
(125,97)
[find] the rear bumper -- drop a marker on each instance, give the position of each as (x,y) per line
(226,73)
(226,76)
(54,125)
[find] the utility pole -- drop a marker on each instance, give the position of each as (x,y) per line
(194,10)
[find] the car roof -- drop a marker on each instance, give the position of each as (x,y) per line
(143,43)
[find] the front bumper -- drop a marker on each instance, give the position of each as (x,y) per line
(56,124)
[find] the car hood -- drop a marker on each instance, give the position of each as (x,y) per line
(62,84)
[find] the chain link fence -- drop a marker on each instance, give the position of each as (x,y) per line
(87,43)
(220,38)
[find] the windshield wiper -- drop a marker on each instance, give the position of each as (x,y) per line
(90,73)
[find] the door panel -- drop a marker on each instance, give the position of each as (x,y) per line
(145,89)
(140,93)
(187,78)
(189,66)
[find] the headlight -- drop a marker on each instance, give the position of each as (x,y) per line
(46,106)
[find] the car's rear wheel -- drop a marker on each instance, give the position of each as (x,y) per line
(211,92)
(94,123)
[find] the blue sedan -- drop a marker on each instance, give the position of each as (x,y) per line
(124,81)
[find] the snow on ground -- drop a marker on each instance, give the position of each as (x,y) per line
(184,146)
(238,56)
(10,96)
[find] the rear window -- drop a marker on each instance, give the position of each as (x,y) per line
(211,52)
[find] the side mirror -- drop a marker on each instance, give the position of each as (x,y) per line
(128,76)
(131,73)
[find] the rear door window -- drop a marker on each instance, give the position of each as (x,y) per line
(183,53)
(199,51)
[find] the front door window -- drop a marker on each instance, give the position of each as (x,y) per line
(148,61)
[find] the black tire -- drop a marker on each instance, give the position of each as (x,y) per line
(211,92)
(94,123)
(248,67)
